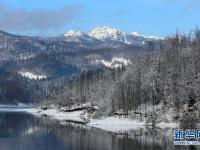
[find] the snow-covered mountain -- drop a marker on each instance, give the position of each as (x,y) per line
(73,34)
(77,36)
(107,34)
(110,34)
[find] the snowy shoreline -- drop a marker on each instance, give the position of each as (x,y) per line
(53,113)
(116,124)
(110,123)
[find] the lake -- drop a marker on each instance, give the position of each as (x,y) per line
(22,131)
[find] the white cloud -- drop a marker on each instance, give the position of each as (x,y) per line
(38,19)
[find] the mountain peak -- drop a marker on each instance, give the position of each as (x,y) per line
(106,33)
(72,33)
(103,29)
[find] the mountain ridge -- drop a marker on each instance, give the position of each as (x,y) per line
(108,34)
(98,34)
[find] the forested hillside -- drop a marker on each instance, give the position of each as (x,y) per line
(15,89)
(156,80)
(46,65)
(155,85)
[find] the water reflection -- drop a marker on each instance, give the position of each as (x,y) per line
(20,131)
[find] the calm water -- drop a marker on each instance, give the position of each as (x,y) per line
(20,131)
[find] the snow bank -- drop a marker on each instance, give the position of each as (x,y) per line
(59,115)
(76,107)
(115,62)
(31,75)
(111,123)
(53,112)
(116,124)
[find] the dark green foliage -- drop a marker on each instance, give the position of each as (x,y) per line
(14,89)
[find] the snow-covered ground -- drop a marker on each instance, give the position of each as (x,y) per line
(31,75)
(59,115)
(138,120)
(119,124)
(110,123)
(115,62)
(53,112)
(116,124)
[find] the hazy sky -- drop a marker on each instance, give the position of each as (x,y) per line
(53,17)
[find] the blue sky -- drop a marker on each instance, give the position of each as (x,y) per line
(53,17)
